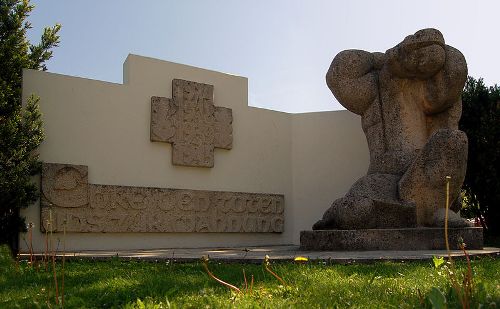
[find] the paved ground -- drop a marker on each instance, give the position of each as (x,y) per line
(279,253)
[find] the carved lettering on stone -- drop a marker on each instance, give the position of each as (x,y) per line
(70,199)
(191,123)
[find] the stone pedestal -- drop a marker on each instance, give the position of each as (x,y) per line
(406,239)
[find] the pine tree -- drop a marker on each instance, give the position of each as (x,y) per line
(20,127)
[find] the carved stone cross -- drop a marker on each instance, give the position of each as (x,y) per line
(191,123)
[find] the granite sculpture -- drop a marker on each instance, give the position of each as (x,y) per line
(191,123)
(409,102)
(69,202)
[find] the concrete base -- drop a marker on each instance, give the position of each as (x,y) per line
(390,239)
(256,255)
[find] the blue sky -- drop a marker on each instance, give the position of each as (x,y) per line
(283,47)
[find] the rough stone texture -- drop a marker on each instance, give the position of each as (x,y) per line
(192,123)
(64,185)
(391,239)
(68,197)
(422,183)
(409,102)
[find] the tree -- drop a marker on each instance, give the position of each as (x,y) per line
(481,122)
(20,128)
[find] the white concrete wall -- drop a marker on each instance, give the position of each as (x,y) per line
(311,158)
(329,152)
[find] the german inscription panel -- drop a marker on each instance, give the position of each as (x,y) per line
(142,209)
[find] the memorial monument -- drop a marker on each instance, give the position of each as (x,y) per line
(173,157)
(409,102)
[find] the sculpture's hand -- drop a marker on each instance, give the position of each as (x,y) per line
(352,78)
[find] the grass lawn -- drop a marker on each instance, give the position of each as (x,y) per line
(122,283)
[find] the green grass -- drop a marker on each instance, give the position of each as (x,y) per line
(121,283)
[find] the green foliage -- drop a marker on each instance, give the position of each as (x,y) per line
(122,283)
(481,122)
(6,262)
(436,299)
(20,128)
(437,261)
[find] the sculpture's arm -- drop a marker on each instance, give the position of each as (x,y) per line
(444,88)
(353,80)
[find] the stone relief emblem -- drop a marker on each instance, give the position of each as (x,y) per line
(70,200)
(65,185)
(191,123)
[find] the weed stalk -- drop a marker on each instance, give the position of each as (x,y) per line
(30,238)
(17,262)
(63,260)
(463,292)
(268,269)
(246,283)
(446,217)
(53,253)
(45,255)
(468,283)
(204,259)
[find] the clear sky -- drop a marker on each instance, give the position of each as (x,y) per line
(284,47)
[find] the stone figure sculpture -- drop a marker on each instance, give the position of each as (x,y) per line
(410,104)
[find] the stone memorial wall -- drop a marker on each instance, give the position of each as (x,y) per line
(174,157)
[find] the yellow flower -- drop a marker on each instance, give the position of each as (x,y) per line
(301,259)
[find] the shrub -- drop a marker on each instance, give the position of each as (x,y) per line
(20,128)
(481,122)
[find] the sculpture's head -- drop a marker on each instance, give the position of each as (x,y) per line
(420,55)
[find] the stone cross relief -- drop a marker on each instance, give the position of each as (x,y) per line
(191,123)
